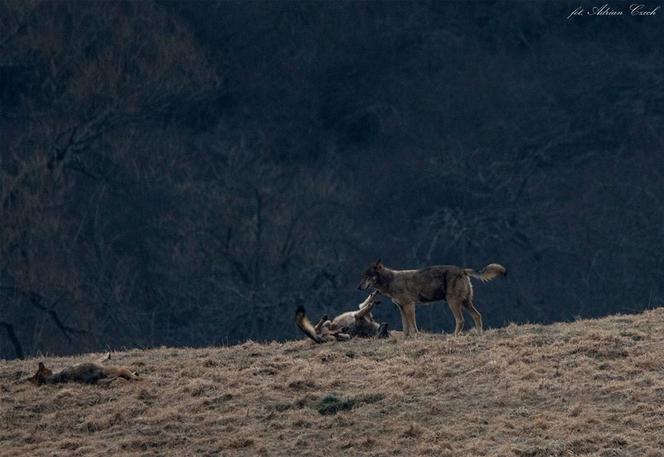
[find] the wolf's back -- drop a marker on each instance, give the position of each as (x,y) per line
(87,373)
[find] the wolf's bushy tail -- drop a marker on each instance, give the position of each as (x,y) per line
(303,323)
(493,270)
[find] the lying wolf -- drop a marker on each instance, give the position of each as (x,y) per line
(87,373)
(345,326)
(407,288)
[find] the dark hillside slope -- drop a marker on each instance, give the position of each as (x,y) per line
(591,387)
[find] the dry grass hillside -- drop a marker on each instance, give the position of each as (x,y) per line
(591,387)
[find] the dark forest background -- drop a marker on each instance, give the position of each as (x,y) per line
(188,173)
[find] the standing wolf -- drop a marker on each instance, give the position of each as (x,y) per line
(407,288)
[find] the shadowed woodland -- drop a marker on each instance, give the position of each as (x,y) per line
(188,173)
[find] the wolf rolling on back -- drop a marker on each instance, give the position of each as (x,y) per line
(346,325)
(86,373)
(408,288)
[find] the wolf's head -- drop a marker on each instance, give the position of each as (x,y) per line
(42,375)
(370,276)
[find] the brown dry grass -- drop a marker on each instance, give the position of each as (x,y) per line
(592,387)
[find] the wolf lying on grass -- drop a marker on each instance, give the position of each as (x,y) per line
(345,326)
(407,288)
(87,373)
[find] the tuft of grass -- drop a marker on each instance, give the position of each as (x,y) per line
(331,404)
(281,407)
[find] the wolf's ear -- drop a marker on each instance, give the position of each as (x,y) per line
(378,263)
(41,367)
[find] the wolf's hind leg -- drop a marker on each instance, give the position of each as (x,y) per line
(320,323)
(105,358)
(127,374)
(477,317)
(455,305)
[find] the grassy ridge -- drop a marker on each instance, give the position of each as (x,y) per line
(591,387)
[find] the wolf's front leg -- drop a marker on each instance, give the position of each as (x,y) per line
(382,331)
(404,320)
(409,311)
